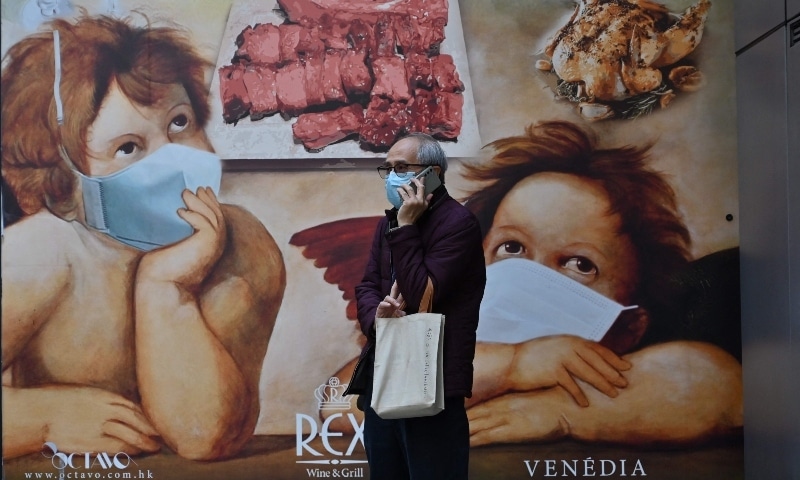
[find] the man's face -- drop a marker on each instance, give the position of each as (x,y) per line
(125,132)
(563,222)
(403,156)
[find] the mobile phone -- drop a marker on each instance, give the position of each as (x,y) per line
(429,178)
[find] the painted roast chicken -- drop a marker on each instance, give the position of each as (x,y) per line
(612,50)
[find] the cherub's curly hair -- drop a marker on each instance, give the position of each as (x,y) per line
(95,51)
(641,197)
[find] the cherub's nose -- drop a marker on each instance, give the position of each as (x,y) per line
(157,141)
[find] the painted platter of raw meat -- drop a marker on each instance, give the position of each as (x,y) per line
(320,79)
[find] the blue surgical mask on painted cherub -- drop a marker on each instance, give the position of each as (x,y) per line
(524,300)
(138,205)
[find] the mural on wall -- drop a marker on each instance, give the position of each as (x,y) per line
(609,338)
(603,220)
(92,274)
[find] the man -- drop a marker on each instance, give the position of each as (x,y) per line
(426,235)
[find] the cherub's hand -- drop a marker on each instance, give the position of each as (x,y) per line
(557,360)
(86,419)
(517,417)
(189,261)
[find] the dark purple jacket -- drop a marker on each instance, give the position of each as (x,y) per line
(444,244)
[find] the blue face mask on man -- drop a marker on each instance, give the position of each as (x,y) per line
(138,205)
(395,181)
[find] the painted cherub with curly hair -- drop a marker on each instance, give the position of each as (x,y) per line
(108,344)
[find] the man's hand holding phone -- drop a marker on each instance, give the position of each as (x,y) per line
(416,197)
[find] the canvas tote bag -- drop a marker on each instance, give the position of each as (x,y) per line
(408,380)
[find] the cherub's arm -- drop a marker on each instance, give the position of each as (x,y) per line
(536,364)
(678,392)
(76,419)
(36,283)
(205,310)
(546,362)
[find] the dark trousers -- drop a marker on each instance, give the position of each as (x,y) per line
(435,448)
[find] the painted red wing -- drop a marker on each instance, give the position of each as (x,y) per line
(341,248)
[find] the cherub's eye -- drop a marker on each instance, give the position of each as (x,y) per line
(581,265)
(510,248)
(126,149)
(178,124)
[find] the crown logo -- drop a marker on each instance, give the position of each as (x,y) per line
(330,395)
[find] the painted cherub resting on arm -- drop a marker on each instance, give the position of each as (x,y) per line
(552,201)
(142,316)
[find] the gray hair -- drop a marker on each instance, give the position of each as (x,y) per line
(429,152)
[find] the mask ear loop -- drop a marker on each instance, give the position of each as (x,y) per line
(57,81)
(57,97)
(69,214)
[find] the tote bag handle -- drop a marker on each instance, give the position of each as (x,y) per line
(426,302)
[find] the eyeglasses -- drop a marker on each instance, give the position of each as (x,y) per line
(400,169)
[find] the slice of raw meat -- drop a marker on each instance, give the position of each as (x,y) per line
(367,10)
(314,67)
(332,86)
(431,31)
(259,80)
(385,37)
(259,44)
(332,31)
(447,118)
(291,89)
(356,77)
(310,43)
(384,122)
(419,71)
(298,42)
(360,36)
(421,110)
(391,80)
(408,36)
(318,130)
(445,74)
(290,38)
(235,100)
